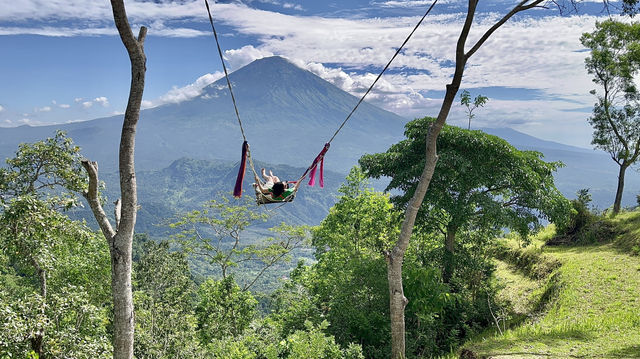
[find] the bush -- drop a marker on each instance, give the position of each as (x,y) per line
(584,226)
(263,341)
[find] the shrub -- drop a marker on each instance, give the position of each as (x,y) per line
(584,226)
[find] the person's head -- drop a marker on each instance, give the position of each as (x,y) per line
(278,188)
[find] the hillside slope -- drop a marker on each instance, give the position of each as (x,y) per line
(592,309)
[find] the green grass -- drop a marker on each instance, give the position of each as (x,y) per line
(589,307)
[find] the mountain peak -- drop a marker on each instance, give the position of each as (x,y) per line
(273,76)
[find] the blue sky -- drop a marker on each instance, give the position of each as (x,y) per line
(62,60)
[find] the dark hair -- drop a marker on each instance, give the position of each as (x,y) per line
(277,189)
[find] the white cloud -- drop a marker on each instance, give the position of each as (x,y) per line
(1,108)
(102,101)
(532,53)
(408,4)
(244,55)
(179,94)
(78,99)
(43,109)
(292,6)
(64,105)
(87,104)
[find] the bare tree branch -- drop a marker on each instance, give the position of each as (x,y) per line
(92,196)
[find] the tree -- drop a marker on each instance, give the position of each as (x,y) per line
(614,62)
(353,237)
(164,296)
(223,309)
(51,312)
(42,244)
(481,183)
(395,256)
(120,238)
(44,169)
(217,234)
(465,100)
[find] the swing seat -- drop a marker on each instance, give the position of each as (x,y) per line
(261,198)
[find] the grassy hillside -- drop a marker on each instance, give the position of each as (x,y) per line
(587,307)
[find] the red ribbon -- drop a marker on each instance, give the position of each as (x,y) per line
(314,165)
(237,190)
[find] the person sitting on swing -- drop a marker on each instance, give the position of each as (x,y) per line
(274,188)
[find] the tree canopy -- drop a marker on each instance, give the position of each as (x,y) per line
(481,182)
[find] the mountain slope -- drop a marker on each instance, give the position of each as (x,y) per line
(288,113)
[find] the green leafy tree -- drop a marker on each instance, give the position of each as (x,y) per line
(264,341)
(44,169)
(43,249)
(481,183)
(223,309)
(463,53)
(614,62)
(164,297)
(49,304)
(478,101)
(348,282)
(217,233)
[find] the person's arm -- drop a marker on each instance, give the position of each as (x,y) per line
(259,185)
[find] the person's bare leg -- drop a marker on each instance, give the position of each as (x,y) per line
(271,178)
(264,175)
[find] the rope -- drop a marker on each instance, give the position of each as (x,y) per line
(226,74)
(383,70)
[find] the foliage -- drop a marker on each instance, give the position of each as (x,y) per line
(481,185)
(353,237)
(480,180)
(217,234)
(478,101)
(264,341)
(585,226)
(164,296)
(42,167)
(55,292)
(223,309)
(614,61)
(354,299)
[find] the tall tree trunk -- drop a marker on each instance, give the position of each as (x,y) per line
(120,240)
(449,247)
(395,257)
(617,202)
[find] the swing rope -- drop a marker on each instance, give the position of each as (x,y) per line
(224,67)
(383,70)
(320,157)
(246,153)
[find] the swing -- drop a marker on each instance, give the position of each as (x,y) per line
(262,198)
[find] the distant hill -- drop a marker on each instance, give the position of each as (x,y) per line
(584,168)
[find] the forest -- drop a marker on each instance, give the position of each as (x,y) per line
(469,252)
